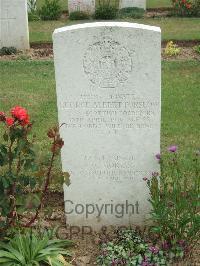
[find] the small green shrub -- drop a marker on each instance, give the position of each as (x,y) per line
(174,198)
(8,50)
(32,5)
(197,49)
(196,8)
(51,10)
(106,12)
(130,249)
(33,16)
(131,12)
(78,15)
(33,248)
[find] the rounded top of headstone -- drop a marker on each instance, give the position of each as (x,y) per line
(107,24)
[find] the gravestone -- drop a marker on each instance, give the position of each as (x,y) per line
(132,3)
(14,24)
(108,79)
(87,6)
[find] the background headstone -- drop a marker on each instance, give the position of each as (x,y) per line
(87,6)
(132,3)
(14,24)
(108,77)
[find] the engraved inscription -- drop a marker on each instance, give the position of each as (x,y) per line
(117,168)
(107,63)
(118,112)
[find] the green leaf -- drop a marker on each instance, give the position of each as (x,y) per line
(5,182)
(5,136)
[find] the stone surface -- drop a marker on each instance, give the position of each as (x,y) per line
(108,79)
(132,3)
(87,6)
(14,24)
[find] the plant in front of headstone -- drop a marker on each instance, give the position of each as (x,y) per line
(106,10)
(32,11)
(51,10)
(172,49)
(34,248)
(78,15)
(19,170)
(174,198)
(33,16)
(32,5)
(8,50)
(129,248)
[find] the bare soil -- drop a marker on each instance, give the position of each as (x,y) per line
(45,52)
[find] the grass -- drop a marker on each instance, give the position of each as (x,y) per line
(158,3)
(180,104)
(172,28)
(150,3)
(32,85)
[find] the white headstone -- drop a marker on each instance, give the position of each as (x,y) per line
(87,6)
(14,24)
(132,3)
(108,79)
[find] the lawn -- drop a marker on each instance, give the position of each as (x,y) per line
(32,85)
(158,3)
(150,3)
(172,28)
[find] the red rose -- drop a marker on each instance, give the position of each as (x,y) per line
(21,115)
(25,121)
(10,121)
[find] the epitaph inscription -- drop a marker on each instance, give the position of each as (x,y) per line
(107,63)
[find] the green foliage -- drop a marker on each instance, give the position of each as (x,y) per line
(131,12)
(19,169)
(196,8)
(106,10)
(197,49)
(33,16)
(130,249)
(172,49)
(8,50)
(34,248)
(32,5)
(174,198)
(78,15)
(186,7)
(51,10)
